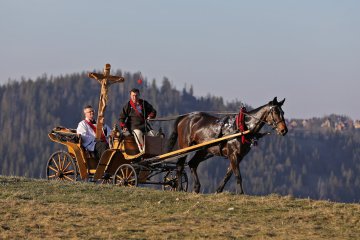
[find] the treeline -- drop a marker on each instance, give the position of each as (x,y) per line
(306,162)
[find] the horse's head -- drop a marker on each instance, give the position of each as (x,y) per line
(275,116)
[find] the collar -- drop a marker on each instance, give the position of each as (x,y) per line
(139,102)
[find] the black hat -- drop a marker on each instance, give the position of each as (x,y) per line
(135,90)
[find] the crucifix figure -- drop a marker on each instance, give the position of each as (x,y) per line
(105,80)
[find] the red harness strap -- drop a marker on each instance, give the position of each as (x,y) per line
(240,123)
(93,127)
(136,109)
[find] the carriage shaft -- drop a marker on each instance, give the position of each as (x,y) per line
(193,148)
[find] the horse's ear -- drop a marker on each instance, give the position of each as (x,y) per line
(281,102)
(275,102)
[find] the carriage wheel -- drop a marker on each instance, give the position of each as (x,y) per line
(62,167)
(171,182)
(126,176)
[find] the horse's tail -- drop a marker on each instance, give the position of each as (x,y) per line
(174,134)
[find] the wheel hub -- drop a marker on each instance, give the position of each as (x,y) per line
(61,174)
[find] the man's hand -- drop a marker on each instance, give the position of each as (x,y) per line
(151,115)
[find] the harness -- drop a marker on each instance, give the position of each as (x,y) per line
(222,122)
(240,124)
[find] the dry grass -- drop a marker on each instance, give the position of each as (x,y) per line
(39,209)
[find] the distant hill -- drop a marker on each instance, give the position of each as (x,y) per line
(319,157)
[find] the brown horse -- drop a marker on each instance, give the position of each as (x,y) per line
(198,127)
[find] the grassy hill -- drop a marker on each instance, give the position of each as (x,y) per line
(42,209)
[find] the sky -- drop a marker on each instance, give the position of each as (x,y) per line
(305,51)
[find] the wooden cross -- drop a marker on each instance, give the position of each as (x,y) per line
(105,80)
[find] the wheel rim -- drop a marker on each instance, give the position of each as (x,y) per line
(126,176)
(61,167)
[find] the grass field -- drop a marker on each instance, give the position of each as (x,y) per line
(38,209)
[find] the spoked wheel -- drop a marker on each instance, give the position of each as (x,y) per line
(171,181)
(62,167)
(126,176)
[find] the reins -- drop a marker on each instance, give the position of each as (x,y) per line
(167,118)
(181,115)
(273,124)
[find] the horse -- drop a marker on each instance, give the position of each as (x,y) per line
(198,127)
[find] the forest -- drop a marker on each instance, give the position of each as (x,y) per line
(316,159)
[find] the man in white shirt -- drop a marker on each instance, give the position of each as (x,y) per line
(87,129)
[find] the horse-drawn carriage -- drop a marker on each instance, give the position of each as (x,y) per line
(199,133)
(123,164)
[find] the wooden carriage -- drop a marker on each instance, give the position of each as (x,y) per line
(123,164)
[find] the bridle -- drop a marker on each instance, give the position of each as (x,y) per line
(274,123)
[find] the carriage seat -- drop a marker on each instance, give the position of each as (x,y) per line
(131,146)
(64,134)
(154,143)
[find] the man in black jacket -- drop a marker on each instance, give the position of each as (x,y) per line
(133,116)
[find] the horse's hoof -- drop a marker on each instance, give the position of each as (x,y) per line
(240,192)
(196,191)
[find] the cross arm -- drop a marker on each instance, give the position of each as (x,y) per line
(115,79)
(97,76)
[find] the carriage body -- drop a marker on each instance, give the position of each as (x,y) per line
(85,165)
(123,164)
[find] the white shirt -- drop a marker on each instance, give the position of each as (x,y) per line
(88,134)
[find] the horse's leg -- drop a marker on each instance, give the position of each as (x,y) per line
(193,164)
(234,163)
(225,180)
(179,170)
(195,177)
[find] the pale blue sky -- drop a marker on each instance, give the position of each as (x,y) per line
(306,51)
